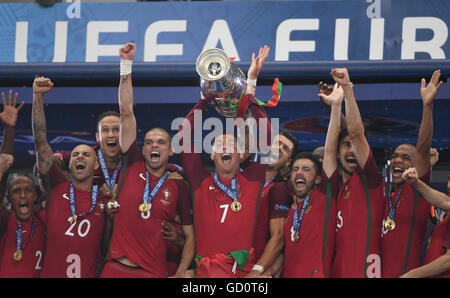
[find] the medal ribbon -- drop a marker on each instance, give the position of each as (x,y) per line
(232,193)
(94,193)
(110,180)
(296,219)
(148,196)
(268,182)
(19,235)
(393,206)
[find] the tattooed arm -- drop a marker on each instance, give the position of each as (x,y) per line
(128,125)
(44,154)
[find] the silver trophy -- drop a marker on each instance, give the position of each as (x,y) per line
(221,81)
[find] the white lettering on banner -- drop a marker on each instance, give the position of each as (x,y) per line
(221,32)
(152,48)
(376,39)
(94,28)
(341,39)
(60,49)
(20,54)
(74,269)
(284,44)
(433,46)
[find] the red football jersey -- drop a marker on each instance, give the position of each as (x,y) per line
(312,254)
(266,212)
(359,218)
(138,235)
(401,247)
(439,244)
(32,253)
(72,250)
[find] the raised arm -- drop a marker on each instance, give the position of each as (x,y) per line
(9,120)
(355,125)
(257,111)
(44,154)
(128,127)
(422,161)
(6,160)
(331,144)
(327,90)
(434,197)
(255,68)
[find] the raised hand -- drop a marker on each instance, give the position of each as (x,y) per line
(434,156)
(410,175)
(127,51)
(10,111)
(429,92)
(341,76)
(6,160)
(258,62)
(42,85)
(334,98)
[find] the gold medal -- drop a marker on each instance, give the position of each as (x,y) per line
(389,224)
(144,207)
(295,237)
(73,219)
(17,256)
(236,206)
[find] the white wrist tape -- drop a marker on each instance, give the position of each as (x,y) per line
(251,83)
(125,66)
(259,268)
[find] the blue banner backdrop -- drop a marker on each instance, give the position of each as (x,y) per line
(179,31)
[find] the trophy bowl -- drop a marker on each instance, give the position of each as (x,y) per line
(221,81)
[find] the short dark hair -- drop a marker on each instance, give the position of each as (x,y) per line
(34,179)
(160,129)
(311,157)
(106,114)
(290,136)
(344,132)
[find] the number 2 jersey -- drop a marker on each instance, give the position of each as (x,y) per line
(32,249)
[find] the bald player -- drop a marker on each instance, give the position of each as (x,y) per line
(74,219)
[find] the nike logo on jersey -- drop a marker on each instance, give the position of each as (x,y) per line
(66,197)
(211,187)
(142,176)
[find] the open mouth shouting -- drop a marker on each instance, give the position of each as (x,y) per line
(155,156)
(226,158)
(80,166)
(111,143)
(397,171)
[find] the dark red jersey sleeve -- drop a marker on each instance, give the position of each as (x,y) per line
(280,200)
